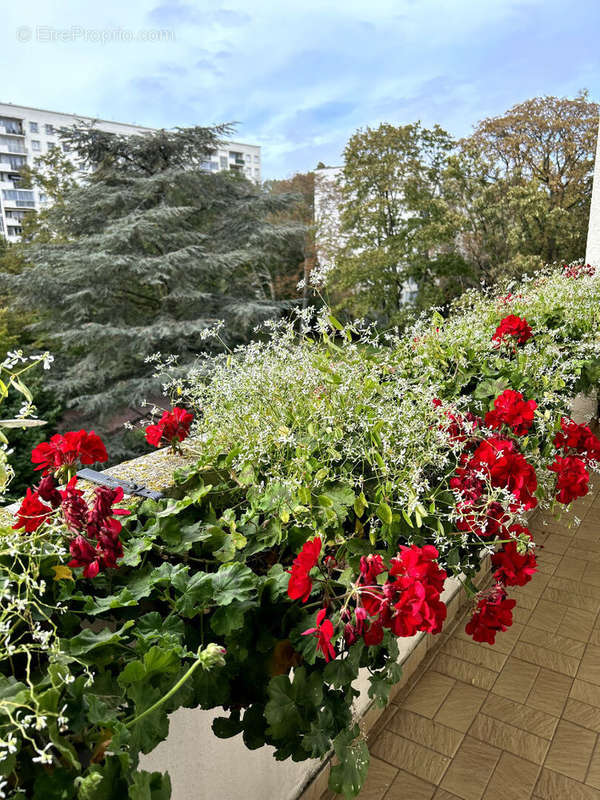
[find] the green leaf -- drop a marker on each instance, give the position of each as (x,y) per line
(281,711)
(348,776)
(226,727)
(384,512)
(227,619)
(87,640)
(233,582)
(150,786)
(360,504)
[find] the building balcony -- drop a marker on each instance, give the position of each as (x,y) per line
(12,131)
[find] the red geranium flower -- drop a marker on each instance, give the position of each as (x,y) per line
(507,469)
(514,568)
(510,409)
(324,632)
(97,545)
(48,491)
(572,478)
(74,446)
(485,519)
(578,438)
(493,614)
(460,426)
(578,270)
(514,328)
(300,585)
(409,601)
(32,512)
(173,426)
(371,594)
(374,633)
(84,555)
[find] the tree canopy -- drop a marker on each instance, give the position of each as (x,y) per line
(145,252)
(424,216)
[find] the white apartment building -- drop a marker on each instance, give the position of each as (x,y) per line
(26,133)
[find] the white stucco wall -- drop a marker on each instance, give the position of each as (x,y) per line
(592,253)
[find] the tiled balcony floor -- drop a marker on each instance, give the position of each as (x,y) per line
(517,720)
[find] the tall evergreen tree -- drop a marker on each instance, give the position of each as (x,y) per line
(145,253)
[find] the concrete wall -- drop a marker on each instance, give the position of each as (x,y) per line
(592,254)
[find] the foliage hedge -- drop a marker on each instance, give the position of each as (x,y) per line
(344,435)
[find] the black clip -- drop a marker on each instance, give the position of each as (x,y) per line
(128,487)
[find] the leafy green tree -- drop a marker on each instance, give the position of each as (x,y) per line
(396,231)
(522,185)
(145,253)
(299,265)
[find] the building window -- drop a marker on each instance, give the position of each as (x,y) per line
(11,125)
(33,127)
(256,171)
(256,158)
(223,162)
(36,145)
(49,130)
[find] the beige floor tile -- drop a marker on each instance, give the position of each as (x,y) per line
(526,600)
(429,693)
(507,737)
(556,543)
(442,794)
(574,586)
(412,757)
(555,786)
(516,679)
(463,671)
(520,615)
(521,716)
(577,624)
(426,732)
(549,692)
(409,787)
(571,750)
(570,567)
(513,779)
(547,562)
(471,769)
(586,551)
(571,600)
(460,707)
(552,641)
(379,779)
(475,654)
(595,637)
(547,616)
(582,714)
(589,669)
(586,692)
(549,659)
(592,574)
(593,776)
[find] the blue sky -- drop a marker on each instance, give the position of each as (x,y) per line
(298,77)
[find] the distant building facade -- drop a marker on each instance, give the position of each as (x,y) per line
(27,133)
(592,255)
